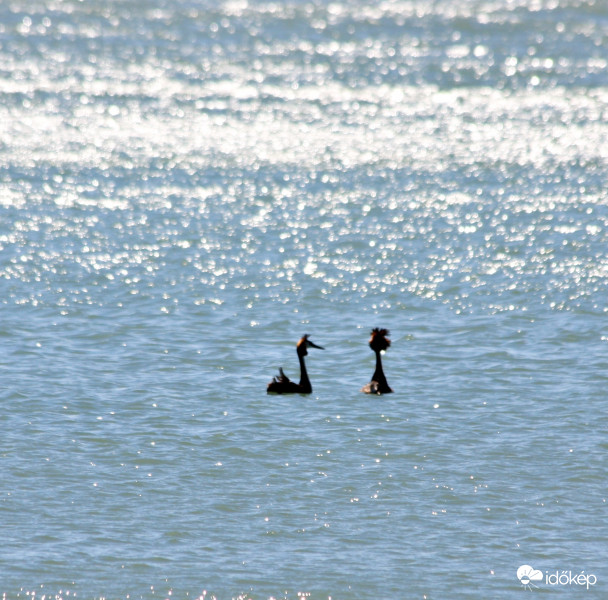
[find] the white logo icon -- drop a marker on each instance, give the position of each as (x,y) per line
(527,574)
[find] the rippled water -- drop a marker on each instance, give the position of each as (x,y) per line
(186,187)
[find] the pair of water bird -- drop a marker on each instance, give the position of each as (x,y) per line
(378,342)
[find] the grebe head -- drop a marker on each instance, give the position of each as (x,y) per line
(304,344)
(378,342)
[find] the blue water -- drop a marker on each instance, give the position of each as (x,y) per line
(187,187)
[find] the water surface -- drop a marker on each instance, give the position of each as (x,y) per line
(188,187)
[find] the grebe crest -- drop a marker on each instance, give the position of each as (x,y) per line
(378,341)
(304,343)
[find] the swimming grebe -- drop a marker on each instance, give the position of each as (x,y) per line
(283,385)
(378,343)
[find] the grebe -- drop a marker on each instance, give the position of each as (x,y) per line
(378,343)
(283,385)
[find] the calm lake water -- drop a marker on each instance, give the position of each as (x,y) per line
(187,187)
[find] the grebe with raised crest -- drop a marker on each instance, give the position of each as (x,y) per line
(378,342)
(283,385)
